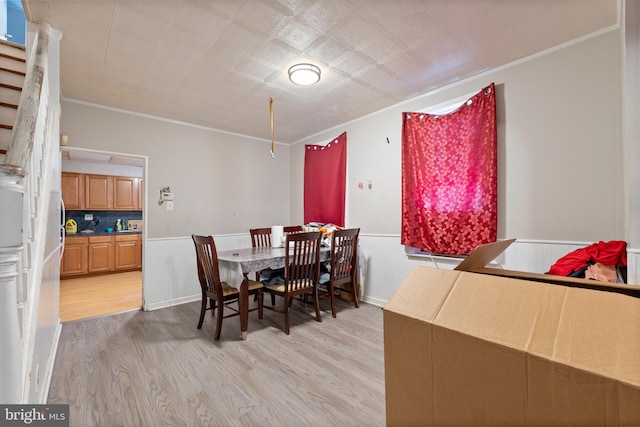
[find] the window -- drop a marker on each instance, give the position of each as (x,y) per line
(449,177)
(325,175)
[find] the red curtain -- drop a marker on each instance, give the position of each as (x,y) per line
(449,177)
(325,174)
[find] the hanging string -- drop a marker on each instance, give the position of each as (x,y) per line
(273,154)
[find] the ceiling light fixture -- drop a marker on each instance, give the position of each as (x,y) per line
(304,74)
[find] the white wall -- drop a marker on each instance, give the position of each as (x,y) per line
(560,161)
(560,148)
(223,182)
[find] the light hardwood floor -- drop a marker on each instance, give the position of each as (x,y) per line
(156,369)
(86,297)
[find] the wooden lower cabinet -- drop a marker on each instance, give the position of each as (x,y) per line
(101,254)
(127,248)
(75,258)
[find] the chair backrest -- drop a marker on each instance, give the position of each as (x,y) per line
(260,237)
(344,254)
(207,260)
(302,260)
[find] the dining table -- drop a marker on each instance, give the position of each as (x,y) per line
(235,265)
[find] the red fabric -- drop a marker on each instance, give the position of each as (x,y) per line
(325,175)
(449,177)
(607,253)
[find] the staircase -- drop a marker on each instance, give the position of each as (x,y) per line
(29,218)
(13,67)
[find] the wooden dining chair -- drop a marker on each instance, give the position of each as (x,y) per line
(343,268)
(214,292)
(302,267)
(261,237)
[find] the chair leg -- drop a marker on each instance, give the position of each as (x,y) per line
(273,299)
(354,294)
(260,297)
(219,320)
(287,305)
(203,309)
(332,297)
(316,304)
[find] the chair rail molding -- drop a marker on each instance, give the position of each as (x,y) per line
(170,274)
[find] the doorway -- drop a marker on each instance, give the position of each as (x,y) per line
(110,279)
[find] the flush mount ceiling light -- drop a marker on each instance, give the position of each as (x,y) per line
(304,74)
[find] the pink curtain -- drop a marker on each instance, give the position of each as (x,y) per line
(325,172)
(449,177)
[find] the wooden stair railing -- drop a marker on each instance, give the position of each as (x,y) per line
(22,135)
(13,76)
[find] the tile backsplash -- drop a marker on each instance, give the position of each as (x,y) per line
(105,219)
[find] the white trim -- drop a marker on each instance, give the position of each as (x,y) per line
(163,119)
(50,364)
(158,239)
(171,303)
(469,78)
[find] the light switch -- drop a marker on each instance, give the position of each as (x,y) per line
(169,206)
(88,217)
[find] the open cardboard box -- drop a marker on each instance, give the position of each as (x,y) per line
(478,346)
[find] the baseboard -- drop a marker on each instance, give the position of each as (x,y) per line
(374,301)
(171,303)
(50,364)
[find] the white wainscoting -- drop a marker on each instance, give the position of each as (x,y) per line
(170,275)
(633,266)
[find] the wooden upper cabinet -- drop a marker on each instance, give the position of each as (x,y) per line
(125,194)
(98,192)
(101,192)
(140,193)
(72,190)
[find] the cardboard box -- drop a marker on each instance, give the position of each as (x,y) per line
(480,349)
(348,296)
(135,224)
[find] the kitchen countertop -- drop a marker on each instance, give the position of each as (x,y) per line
(104,233)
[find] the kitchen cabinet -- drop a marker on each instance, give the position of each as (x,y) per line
(72,190)
(101,192)
(98,192)
(125,193)
(75,257)
(139,258)
(127,251)
(140,194)
(101,255)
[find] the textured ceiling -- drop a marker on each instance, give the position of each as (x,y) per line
(216,63)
